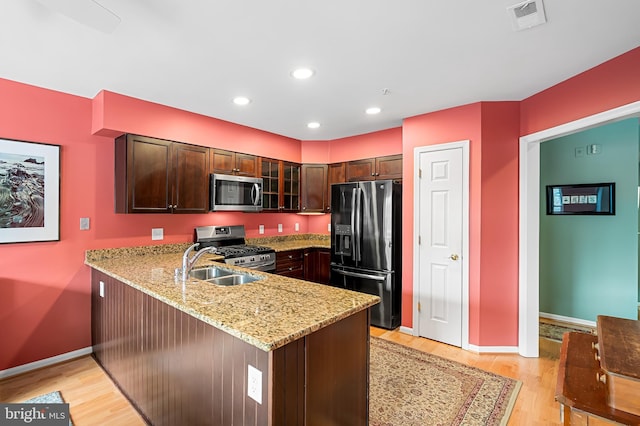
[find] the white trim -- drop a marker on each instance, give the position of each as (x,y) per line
(464,144)
(494,349)
(571,320)
(529,218)
(407,330)
(45,362)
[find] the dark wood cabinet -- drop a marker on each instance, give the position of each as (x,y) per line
(159,176)
(317,265)
(388,167)
(290,263)
(313,188)
(281,185)
(233,163)
(336,174)
(312,264)
(177,369)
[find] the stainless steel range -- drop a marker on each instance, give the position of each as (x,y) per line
(229,241)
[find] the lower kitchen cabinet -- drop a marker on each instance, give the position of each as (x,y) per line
(306,264)
(317,265)
(177,369)
(290,263)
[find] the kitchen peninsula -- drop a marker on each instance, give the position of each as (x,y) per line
(190,353)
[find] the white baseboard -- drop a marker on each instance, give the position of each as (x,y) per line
(568,319)
(406,330)
(45,362)
(494,349)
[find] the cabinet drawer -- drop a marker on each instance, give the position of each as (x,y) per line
(290,263)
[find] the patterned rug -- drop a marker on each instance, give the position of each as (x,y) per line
(48,398)
(556,331)
(411,388)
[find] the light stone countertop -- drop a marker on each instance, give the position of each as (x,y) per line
(268,313)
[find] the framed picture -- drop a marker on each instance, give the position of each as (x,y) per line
(29,192)
(583,198)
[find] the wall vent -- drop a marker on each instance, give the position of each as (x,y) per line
(527,14)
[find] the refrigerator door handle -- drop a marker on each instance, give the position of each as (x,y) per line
(354,235)
(357,230)
(359,275)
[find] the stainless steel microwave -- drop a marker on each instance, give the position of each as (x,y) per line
(235,193)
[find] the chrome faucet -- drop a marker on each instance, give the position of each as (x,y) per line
(187,263)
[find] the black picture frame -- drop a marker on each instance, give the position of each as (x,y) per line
(582,199)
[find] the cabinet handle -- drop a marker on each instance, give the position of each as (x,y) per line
(304,208)
(601,377)
(377,174)
(291,268)
(373,174)
(290,256)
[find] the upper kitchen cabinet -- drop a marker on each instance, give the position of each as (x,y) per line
(389,167)
(281,185)
(160,176)
(336,175)
(233,163)
(313,188)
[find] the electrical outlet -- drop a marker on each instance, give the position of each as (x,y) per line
(297,226)
(279,227)
(157,233)
(101,288)
(261,229)
(254,383)
(329,227)
(84,223)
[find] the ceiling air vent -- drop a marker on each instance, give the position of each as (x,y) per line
(527,14)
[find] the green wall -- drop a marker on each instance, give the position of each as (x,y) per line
(589,264)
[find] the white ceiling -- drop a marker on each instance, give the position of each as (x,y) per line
(198,55)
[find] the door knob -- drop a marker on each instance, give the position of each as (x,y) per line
(454,257)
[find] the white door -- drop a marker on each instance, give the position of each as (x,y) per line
(441,250)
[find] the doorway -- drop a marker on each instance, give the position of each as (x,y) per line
(529,218)
(441,249)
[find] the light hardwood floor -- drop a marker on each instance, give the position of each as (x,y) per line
(95,400)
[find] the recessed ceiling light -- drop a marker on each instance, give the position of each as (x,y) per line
(302,73)
(241,100)
(373,110)
(313,125)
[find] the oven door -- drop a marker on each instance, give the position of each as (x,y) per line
(235,193)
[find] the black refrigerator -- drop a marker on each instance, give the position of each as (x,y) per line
(366,244)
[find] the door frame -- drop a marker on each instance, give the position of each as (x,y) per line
(464,144)
(529,218)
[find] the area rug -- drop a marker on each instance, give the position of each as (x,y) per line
(410,388)
(556,331)
(48,398)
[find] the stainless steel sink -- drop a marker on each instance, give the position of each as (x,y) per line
(216,275)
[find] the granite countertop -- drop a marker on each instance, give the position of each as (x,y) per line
(268,313)
(293,242)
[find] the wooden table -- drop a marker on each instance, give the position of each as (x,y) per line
(579,388)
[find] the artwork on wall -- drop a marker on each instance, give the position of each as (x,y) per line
(29,191)
(587,198)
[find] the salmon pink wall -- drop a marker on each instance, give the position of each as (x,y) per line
(315,152)
(377,144)
(117,114)
(44,287)
(607,86)
(498,298)
(450,125)
(492,129)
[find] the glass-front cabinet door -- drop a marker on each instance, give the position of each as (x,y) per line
(291,187)
(270,172)
(281,185)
